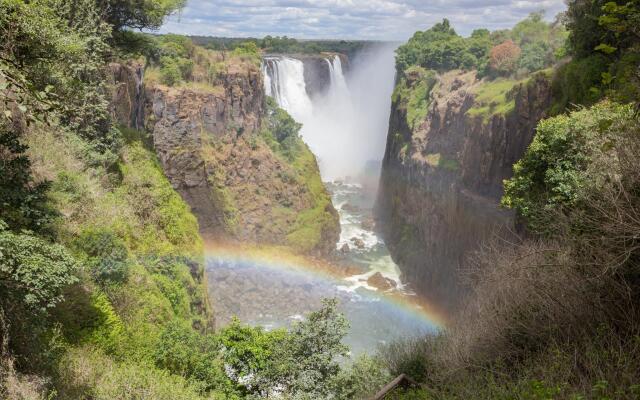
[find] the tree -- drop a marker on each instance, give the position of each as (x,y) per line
(531,29)
(582,21)
(136,14)
(554,176)
(302,362)
(309,357)
(503,58)
(23,202)
(534,56)
(170,73)
(52,58)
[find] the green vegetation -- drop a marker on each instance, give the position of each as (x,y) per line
(556,171)
(284,44)
(603,43)
(249,51)
(412,93)
(439,161)
(101,270)
(552,314)
(531,45)
(504,58)
(175,60)
(281,133)
(493,97)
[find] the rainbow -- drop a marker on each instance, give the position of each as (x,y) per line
(282,259)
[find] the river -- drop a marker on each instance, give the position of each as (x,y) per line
(274,293)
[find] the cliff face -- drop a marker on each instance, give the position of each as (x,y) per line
(441,178)
(317,74)
(210,145)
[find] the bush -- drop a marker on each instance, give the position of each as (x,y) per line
(87,373)
(362,379)
(106,254)
(170,73)
(247,50)
(33,272)
(554,175)
(184,352)
(23,202)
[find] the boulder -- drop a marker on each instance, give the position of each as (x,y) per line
(359,243)
(381,282)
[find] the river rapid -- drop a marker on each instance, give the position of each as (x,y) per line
(276,294)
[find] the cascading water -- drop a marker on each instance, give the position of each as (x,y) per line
(344,126)
(284,81)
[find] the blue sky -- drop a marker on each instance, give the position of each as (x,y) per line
(347,19)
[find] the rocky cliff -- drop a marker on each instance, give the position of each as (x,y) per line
(446,157)
(210,142)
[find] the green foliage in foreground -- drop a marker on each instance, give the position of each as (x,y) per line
(33,272)
(23,202)
(554,173)
(603,42)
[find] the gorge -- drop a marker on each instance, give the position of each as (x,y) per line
(453,217)
(440,181)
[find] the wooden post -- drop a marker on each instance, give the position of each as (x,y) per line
(402,381)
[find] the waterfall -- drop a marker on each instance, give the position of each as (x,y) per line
(338,86)
(346,126)
(284,81)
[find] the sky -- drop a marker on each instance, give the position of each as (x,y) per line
(347,19)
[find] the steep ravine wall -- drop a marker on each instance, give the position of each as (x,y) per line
(209,145)
(441,179)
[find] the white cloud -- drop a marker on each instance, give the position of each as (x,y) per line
(347,19)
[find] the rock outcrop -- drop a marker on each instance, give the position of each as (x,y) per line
(317,75)
(208,140)
(441,181)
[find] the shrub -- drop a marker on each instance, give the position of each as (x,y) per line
(33,272)
(554,175)
(413,93)
(87,373)
(106,252)
(23,202)
(170,73)
(362,379)
(184,352)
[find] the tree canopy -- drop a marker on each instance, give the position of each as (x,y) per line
(138,14)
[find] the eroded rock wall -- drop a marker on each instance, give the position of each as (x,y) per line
(441,181)
(209,145)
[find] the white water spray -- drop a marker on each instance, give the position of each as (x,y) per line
(284,81)
(347,126)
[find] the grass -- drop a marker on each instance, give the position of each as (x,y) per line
(439,161)
(413,94)
(493,98)
(308,230)
(165,280)
(86,372)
